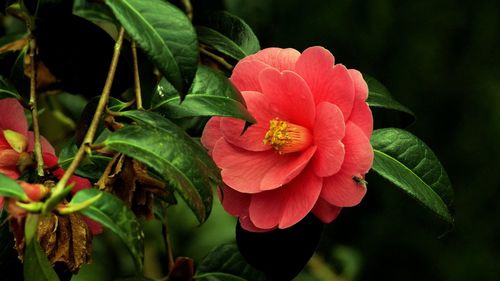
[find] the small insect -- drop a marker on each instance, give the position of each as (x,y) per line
(360,181)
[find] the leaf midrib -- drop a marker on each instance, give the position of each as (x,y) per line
(229,40)
(446,213)
(163,43)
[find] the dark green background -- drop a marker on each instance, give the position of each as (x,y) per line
(441,59)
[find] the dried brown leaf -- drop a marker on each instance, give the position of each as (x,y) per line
(130,181)
(45,80)
(15,45)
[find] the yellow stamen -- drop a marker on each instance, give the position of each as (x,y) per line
(287,137)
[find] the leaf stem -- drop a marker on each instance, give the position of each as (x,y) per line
(137,80)
(103,101)
(216,58)
(34,109)
(188,8)
(168,243)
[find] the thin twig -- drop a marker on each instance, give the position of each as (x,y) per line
(103,101)
(168,243)
(34,109)
(216,58)
(188,8)
(137,81)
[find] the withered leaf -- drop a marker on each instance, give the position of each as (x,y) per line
(130,181)
(65,240)
(45,80)
(14,46)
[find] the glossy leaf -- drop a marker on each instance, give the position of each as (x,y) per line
(36,265)
(410,164)
(225,263)
(379,96)
(94,11)
(164,33)
(7,90)
(92,165)
(113,214)
(164,147)
(228,34)
(210,94)
(10,188)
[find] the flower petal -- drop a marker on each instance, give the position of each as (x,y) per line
(281,59)
(325,211)
(8,163)
(248,225)
(211,133)
(361,114)
(328,82)
(286,168)
(251,172)
(46,146)
(79,182)
(288,205)
(252,138)
(245,76)
(242,170)
(329,130)
(358,150)
(234,202)
(13,116)
(287,93)
(95,227)
(341,189)
(360,86)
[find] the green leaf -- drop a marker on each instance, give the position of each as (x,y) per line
(36,265)
(92,165)
(31,227)
(168,150)
(93,11)
(10,188)
(379,96)
(210,94)
(113,214)
(410,164)
(228,34)
(164,33)
(225,263)
(7,90)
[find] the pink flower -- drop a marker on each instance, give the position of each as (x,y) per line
(16,142)
(17,145)
(309,150)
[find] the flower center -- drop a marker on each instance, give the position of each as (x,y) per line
(287,137)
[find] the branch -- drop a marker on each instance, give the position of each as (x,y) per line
(216,58)
(188,8)
(34,109)
(137,80)
(103,101)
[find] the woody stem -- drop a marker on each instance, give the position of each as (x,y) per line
(103,101)
(34,109)
(137,81)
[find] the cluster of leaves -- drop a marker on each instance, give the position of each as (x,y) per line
(183,66)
